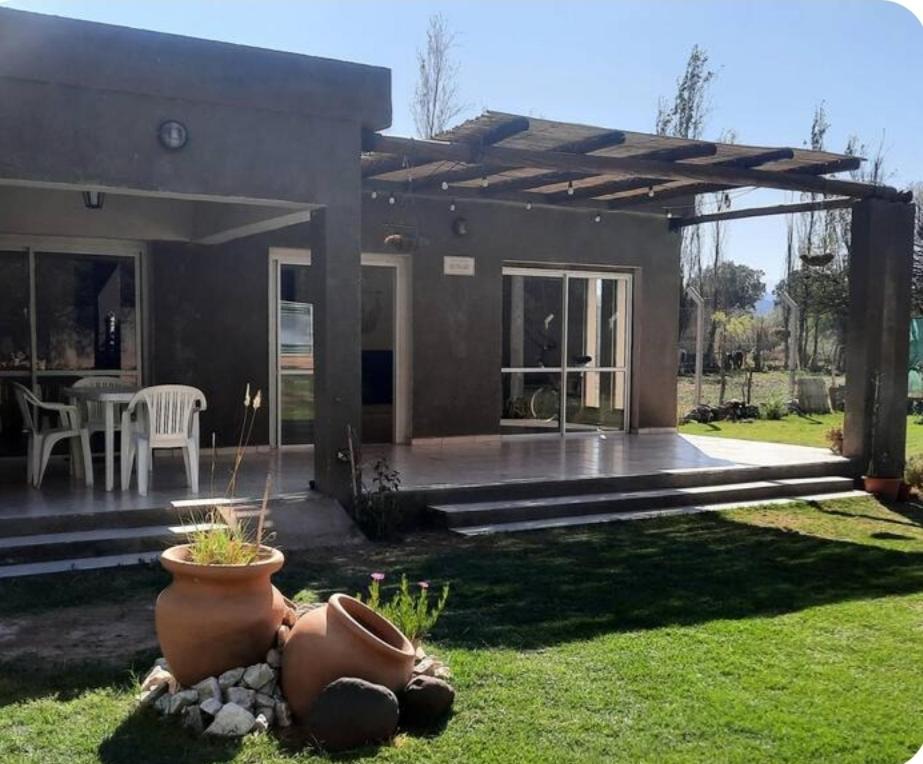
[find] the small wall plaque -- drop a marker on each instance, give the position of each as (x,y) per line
(458,266)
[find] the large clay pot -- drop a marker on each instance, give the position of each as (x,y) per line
(343,638)
(884,488)
(217,617)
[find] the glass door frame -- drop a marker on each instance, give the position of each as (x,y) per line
(50,246)
(565,274)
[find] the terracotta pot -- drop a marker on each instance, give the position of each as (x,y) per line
(344,638)
(212,618)
(883,488)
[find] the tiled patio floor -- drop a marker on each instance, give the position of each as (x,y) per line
(435,464)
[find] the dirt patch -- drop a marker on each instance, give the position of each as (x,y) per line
(104,633)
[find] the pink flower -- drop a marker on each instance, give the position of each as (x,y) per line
(378,576)
(423,584)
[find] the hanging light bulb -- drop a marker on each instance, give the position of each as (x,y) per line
(391,199)
(597,218)
(445,186)
(570,188)
(650,191)
(484,182)
(528,205)
(374,194)
(452,206)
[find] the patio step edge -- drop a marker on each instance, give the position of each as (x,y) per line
(648,514)
(80,563)
(494,512)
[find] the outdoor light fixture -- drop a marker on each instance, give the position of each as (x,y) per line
(374,194)
(452,206)
(528,205)
(391,199)
(650,191)
(172,134)
(570,188)
(597,218)
(460,227)
(93,200)
(445,186)
(484,182)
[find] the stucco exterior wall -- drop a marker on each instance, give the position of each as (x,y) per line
(457,320)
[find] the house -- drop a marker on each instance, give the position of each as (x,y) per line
(187,211)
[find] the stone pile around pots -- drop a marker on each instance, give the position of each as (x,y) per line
(238,702)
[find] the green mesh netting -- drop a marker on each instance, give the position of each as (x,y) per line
(915,363)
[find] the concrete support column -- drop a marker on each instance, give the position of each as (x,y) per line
(880,271)
(336,261)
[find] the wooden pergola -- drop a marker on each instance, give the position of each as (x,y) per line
(511,159)
(499,157)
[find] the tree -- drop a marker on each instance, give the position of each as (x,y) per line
(736,286)
(918,252)
(683,116)
(435,100)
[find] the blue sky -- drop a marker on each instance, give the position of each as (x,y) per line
(607,63)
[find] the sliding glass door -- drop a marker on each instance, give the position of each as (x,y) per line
(566,337)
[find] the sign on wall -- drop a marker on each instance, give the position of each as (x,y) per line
(458,266)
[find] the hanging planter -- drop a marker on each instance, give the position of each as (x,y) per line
(817,261)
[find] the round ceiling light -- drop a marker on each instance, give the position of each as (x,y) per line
(172,134)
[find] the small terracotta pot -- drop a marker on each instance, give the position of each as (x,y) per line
(884,488)
(212,618)
(344,638)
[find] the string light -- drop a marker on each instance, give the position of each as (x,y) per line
(650,191)
(570,188)
(528,205)
(597,218)
(484,182)
(445,186)
(452,206)
(374,194)
(392,200)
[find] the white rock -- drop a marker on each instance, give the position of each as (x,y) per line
(149,697)
(211,706)
(283,714)
(231,721)
(180,700)
(208,688)
(241,696)
(258,675)
(261,723)
(427,666)
(274,658)
(268,713)
(230,677)
(158,676)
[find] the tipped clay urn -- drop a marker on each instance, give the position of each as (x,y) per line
(343,638)
(212,618)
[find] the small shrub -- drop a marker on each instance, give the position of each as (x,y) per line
(412,613)
(913,472)
(376,509)
(775,409)
(834,437)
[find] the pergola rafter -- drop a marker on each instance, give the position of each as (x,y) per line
(542,162)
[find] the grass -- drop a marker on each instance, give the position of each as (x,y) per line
(797,430)
(784,634)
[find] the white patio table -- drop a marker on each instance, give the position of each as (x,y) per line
(110,398)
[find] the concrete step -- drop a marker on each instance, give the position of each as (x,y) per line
(78,563)
(75,522)
(521,510)
(420,498)
(597,519)
(102,542)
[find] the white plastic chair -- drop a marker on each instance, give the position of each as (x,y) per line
(43,439)
(162,416)
(93,413)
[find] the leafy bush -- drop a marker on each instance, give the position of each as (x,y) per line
(775,409)
(376,509)
(913,472)
(412,613)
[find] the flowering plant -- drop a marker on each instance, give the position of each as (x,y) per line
(411,612)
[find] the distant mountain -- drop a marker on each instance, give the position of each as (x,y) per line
(765,305)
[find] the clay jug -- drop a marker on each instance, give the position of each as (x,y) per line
(343,638)
(212,618)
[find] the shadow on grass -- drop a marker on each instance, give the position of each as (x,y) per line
(540,589)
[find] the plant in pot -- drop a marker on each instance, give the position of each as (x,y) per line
(885,470)
(221,610)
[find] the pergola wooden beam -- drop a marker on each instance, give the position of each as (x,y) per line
(674,192)
(689,151)
(633,184)
(759,212)
(497,133)
(553,160)
(582,146)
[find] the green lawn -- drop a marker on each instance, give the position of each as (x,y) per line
(798,430)
(785,634)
